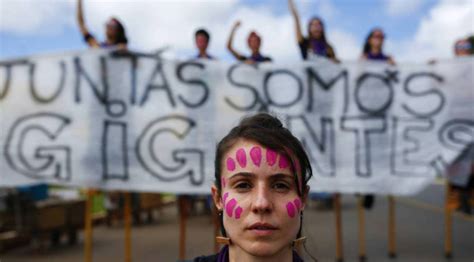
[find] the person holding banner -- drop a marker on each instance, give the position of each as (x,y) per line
(260,190)
(114,32)
(373,47)
(373,51)
(315,44)
(254,42)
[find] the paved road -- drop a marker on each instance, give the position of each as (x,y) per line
(420,232)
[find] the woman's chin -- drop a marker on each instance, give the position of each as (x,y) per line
(262,249)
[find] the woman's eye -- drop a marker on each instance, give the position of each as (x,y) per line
(281,186)
(243,185)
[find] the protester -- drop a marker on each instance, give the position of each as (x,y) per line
(461,171)
(114,32)
(315,44)
(373,47)
(202,39)
(260,190)
(254,42)
(373,51)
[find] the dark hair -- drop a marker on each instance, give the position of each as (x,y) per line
(471,40)
(121,34)
(203,32)
(268,131)
(366,48)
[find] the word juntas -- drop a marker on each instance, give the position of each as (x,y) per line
(255,153)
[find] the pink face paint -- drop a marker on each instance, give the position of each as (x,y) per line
(241,157)
(238,211)
(222,182)
(256,155)
(283,163)
(290,208)
(225,197)
(230,164)
(271,157)
(297,203)
(229,208)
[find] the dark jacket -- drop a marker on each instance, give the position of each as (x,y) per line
(223,256)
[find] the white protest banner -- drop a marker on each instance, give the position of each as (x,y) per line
(139,123)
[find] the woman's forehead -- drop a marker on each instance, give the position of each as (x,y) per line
(251,156)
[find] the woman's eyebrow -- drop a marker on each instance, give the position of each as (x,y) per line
(281,176)
(242,174)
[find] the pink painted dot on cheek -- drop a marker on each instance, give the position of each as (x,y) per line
(225,197)
(256,155)
(238,211)
(241,158)
(297,203)
(271,157)
(229,208)
(283,163)
(290,208)
(230,164)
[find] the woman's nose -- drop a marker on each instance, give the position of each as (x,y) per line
(262,202)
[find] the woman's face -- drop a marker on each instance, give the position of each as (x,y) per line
(111,29)
(376,40)
(254,43)
(259,200)
(315,28)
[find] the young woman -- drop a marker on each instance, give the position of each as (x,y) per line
(114,32)
(254,42)
(315,44)
(373,47)
(373,51)
(260,191)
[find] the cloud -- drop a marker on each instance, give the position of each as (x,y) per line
(24,17)
(346,45)
(445,23)
(402,7)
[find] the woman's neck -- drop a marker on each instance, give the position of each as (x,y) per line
(375,50)
(237,254)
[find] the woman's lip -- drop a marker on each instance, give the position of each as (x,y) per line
(262,226)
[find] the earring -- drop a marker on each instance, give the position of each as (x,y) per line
(222,239)
(298,242)
(301,240)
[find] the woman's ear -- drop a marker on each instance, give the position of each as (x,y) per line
(216,196)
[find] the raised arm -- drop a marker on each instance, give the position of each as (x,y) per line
(91,41)
(294,12)
(231,40)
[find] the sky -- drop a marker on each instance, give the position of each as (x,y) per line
(416,30)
